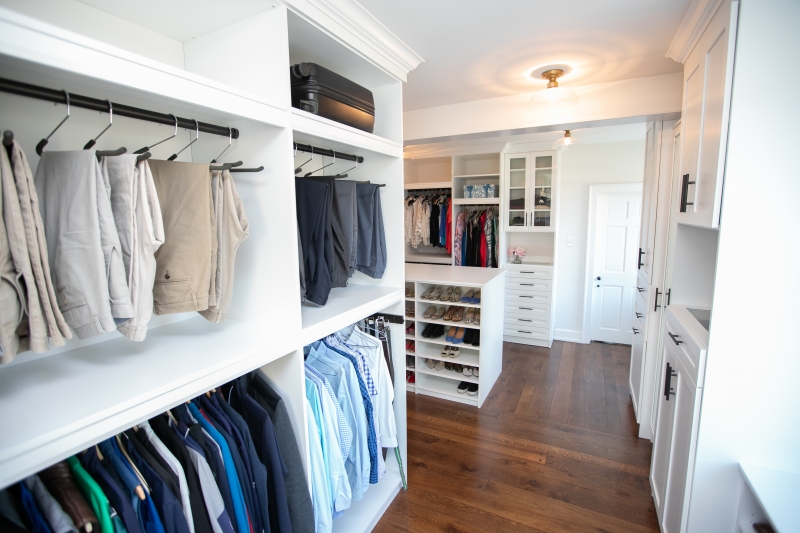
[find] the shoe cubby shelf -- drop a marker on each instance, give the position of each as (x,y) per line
(487,357)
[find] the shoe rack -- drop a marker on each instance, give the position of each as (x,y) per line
(486,355)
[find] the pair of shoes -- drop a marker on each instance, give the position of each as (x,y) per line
(454,314)
(430,363)
(473,337)
(455,335)
(429,312)
(410,329)
(472,297)
(446,294)
(470,371)
(470,316)
(410,293)
(433,331)
(435,314)
(410,312)
(439,365)
(410,377)
(477,318)
(456,296)
(451,351)
(409,362)
(410,346)
(470,388)
(433,293)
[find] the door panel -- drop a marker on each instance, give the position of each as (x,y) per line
(615,264)
(659,469)
(637,365)
(692,123)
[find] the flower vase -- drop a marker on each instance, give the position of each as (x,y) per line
(517,260)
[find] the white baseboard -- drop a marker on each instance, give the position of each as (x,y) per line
(569,335)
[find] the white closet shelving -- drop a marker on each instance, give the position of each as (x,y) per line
(55,404)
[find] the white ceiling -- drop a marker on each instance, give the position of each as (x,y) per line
(183,19)
(475,50)
(603,134)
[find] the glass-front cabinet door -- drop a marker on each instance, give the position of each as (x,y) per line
(542,205)
(517,206)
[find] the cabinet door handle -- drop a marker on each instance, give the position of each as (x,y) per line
(527,308)
(674,338)
(525,320)
(527,272)
(655,307)
(639,315)
(669,296)
(526,219)
(641,253)
(521,331)
(685,192)
(640,289)
(529,284)
(635,331)
(523,296)
(668,390)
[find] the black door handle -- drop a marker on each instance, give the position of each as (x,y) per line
(598,278)
(641,253)
(668,390)
(685,192)
(669,296)
(655,307)
(674,338)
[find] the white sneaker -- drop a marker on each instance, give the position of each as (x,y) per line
(467,371)
(475,372)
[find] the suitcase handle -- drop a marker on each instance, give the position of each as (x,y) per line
(301,70)
(312,106)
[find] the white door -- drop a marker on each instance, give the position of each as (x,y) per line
(616,246)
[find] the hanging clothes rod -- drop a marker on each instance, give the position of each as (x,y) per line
(94,104)
(324,151)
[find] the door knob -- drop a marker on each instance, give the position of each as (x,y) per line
(598,278)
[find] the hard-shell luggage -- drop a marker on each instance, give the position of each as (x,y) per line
(322,92)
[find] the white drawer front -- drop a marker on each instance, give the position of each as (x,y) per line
(528,333)
(533,271)
(528,309)
(527,321)
(524,297)
(532,284)
(688,351)
(642,288)
(640,307)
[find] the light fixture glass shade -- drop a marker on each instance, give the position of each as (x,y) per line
(566,141)
(555,97)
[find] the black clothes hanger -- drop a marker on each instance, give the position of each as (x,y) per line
(110,153)
(110,123)
(173,157)
(147,148)
(143,157)
(43,142)
(257,169)
(8,141)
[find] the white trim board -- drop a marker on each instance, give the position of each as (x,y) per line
(694,23)
(594,192)
(568,335)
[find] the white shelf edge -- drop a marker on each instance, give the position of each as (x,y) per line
(451,375)
(462,398)
(48,46)
(330,130)
(487,175)
(476,201)
(428,185)
(439,259)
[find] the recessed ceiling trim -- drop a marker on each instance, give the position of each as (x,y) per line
(550,127)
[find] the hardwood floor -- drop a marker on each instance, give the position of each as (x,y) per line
(553,449)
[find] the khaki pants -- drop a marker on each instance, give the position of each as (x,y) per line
(82,242)
(183,262)
(232,229)
(137,214)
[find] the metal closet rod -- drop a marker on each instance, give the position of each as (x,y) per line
(324,151)
(85,102)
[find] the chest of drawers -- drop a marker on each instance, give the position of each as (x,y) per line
(528,305)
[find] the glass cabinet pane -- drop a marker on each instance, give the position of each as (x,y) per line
(542,198)
(517,178)
(541,218)
(544,177)
(516,218)
(544,161)
(516,199)
(517,163)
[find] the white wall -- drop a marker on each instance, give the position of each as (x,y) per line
(751,401)
(655,95)
(582,166)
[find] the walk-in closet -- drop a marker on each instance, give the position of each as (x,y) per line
(353,266)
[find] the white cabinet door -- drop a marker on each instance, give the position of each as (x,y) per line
(659,466)
(637,365)
(543,191)
(708,75)
(517,180)
(647,234)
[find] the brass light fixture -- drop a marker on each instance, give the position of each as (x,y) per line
(554,96)
(566,141)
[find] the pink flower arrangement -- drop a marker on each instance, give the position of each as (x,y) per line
(519,251)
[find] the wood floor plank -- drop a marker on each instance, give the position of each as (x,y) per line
(554,449)
(613,419)
(559,409)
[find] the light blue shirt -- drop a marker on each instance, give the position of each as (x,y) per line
(320,495)
(328,361)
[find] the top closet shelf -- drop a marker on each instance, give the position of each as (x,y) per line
(35,52)
(495,175)
(345,306)
(428,185)
(55,406)
(348,138)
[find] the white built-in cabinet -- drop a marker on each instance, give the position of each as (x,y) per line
(529,191)
(707,82)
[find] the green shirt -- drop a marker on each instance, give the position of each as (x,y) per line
(93,494)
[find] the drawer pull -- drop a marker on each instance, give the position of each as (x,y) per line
(656,306)
(531,284)
(635,331)
(526,272)
(668,390)
(527,308)
(639,315)
(528,332)
(523,296)
(525,320)
(639,289)
(674,338)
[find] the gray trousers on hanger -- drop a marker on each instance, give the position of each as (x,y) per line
(82,242)
(137,214)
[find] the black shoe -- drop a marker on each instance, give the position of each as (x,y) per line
(476,338)
(472,389)
(468,335)
(462,387)
(438,331)
(428,330)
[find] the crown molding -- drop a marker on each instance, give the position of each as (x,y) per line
(694,23)
(349,22)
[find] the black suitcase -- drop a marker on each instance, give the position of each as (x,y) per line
(322,92)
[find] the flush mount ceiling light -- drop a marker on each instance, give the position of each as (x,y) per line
(566,141)
(555,96)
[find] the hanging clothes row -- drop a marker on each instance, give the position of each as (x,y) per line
(225,462)
(350,413)
(477,238)
(428,219)
(340,231)
(96,243)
